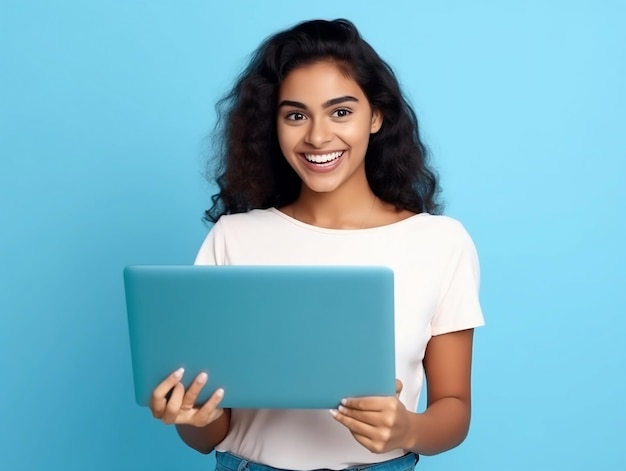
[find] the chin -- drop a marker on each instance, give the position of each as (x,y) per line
(320,188)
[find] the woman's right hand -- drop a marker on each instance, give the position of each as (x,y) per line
(180,407)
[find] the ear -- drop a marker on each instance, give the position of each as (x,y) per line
(377,121)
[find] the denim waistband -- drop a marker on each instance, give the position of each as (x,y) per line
(234,463)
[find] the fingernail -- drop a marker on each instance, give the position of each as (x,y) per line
(219,392)
(342,409)
(333,412)
(344,402)
(202,377)
(179,373)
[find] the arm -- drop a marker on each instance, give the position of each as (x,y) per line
(445,422)
(382,424)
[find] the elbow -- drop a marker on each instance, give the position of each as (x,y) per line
(204,450)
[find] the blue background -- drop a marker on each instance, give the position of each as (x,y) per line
(104,112)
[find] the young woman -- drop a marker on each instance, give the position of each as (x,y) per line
(322,164)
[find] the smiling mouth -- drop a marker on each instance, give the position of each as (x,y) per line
(323,158)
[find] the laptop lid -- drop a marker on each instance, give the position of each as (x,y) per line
(271,336)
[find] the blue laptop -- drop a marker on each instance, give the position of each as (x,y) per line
(300,337)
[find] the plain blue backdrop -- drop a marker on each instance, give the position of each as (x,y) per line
(104,112)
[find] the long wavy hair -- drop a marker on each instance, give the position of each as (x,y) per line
(250,169)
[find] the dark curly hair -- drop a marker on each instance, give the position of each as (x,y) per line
(251,169)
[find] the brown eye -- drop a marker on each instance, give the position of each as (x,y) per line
(341,113)
(295,116)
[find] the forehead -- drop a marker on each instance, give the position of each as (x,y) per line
(318,81)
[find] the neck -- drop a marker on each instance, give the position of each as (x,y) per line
(335,210)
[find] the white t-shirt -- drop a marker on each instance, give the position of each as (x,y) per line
(436,277)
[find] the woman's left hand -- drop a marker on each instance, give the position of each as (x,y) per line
(380,424)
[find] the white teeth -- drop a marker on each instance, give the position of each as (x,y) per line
(322,159)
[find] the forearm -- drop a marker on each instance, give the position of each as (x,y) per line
(444,425)
(204,439)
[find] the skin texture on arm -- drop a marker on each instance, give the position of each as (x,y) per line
(382,424)
(445,422)
(200,427)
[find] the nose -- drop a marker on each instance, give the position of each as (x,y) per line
(318,133)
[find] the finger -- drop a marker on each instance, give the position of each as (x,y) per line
(373,418)
(173,405)
(209,411)
(354,425)
(373,403)
(159,398)
(375,438)
(189,400)
(399,386)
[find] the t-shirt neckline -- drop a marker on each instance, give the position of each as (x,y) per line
(311,227)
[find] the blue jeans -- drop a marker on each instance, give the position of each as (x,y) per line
(230,462)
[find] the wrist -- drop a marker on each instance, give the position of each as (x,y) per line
(412,437)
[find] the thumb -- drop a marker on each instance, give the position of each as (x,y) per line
(398,387)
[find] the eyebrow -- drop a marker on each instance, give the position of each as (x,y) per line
(326,104)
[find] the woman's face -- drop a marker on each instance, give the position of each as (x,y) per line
(324,122)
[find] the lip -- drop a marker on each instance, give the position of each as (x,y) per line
(326,166)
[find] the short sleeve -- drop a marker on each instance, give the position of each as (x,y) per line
(212,249)
(459,304)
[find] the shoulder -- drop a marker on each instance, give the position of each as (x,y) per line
(256,224)
(250,221)
(232,230)
(441,239)
(252,216)
(438,228)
